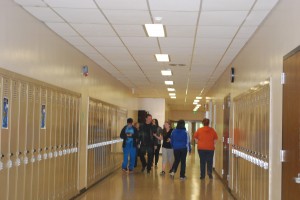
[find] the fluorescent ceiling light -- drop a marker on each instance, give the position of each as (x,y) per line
(155,30)
(198,97)
(207,98)
(171,89)
(195,103)
(169,82)
(172,94)
(173,97)
(162,57)
(167,72)
(196,100)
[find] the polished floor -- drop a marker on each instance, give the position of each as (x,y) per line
(143,186)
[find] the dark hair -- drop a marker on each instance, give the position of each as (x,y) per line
(156,122)
(205,122)
(180,124)
(148,115)
(129,121)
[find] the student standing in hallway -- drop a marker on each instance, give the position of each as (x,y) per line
(157,134)
(137,126)
(148,143)
(129,135)
(206,138)
(181,144)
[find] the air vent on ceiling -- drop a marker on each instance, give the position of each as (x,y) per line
(179,65)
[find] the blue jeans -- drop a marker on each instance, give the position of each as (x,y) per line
(130,151)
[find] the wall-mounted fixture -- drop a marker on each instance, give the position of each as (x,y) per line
(85,71)
(232,74)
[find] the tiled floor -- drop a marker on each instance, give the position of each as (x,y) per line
(143,186)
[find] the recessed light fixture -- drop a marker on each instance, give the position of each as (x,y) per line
(198,97)
(167,72)
(171,89)
(196,100)
(172,94)
(162,57)
(173,97)
(169,82)
(155,30)
(195,103)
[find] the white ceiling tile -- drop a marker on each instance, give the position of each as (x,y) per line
(256,17)
(222,18)
(122,5)
(86,49)
(130,30)
(30,2)
(145,57)
(180,31)
(175,5)
(112,50)
(212,43)
(175,50)
(140,42)
(265,4)
(121,64)
(89,16)
(71,3)
(143,50)
(177,18)
(75,40)
(238,43)
(176,42)
(118,57)
(105,41)
(44,14)
(99,30)
(216,31)
(128,17)
(227,4)
(62,29)
(246,32)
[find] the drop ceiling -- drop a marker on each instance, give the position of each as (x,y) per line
(202,39)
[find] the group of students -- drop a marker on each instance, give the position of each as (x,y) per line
(142,139)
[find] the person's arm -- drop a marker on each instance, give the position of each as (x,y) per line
(123,134)
(188,142)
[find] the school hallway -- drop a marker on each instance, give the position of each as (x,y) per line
(138,185)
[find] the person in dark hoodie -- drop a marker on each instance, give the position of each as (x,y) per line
(148,143)
(129,134)
(180,141)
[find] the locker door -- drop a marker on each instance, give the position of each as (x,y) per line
(14,138)
(42,143)
(29,143)
(22,176)
(66,155)
(36,142)
(5,151)
(54,144)
(76,139)
(72,181)
(48,144)
(226,138)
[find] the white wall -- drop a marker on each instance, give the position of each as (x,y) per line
(262,58)
(155,106)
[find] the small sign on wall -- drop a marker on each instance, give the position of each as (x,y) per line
(43,117)
(5,113)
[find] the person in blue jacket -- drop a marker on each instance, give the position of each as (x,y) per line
(129,134)
(180,141)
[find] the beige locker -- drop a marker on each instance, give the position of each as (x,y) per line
(22,176)
(14,138)
(5,151)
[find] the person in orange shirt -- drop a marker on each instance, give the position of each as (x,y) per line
(206,138)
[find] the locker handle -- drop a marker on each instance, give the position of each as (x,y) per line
(2,156)
(34,150)
(11,154)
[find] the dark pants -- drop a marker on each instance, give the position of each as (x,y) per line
(149,151)
(180,156)
(156,153)
(206,156)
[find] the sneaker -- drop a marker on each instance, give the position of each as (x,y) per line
(131,171)
(210,176)
(170,171)
(201,177)
(182,178)
(162,173)
(172,174)
(124,170)
(148,171)
(143,169)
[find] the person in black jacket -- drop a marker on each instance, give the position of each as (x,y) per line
(129,134)
(148,143)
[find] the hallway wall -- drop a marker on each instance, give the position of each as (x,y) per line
(29,48)
(262,58)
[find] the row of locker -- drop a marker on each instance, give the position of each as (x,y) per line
(250,149)
(39,139)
